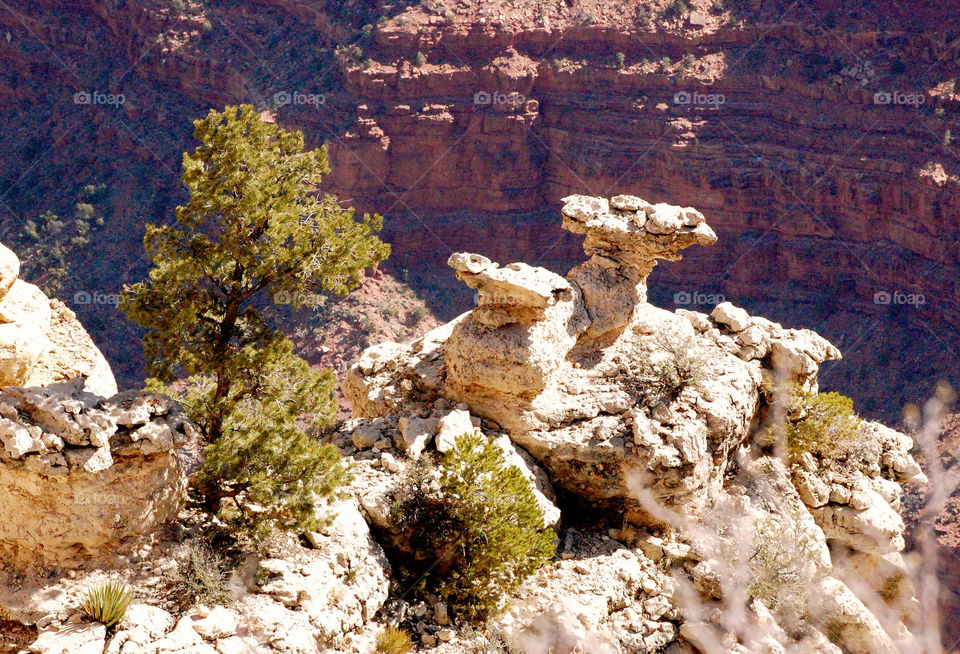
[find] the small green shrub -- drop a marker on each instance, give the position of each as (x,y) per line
(477,524)
(351,51)
(421,59)
(676,8)
(672,368)
(621,59)
(107,603)
(282,475)
(821,423)
(207,27)
(178,6)
(393,641)
(200,576)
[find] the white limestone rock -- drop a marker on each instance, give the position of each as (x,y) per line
(415,434)
(95,475)
(735,318)
(72,639)
(452,426)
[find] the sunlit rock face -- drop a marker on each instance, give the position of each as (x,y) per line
(41,340)
(81,476)
(654,422)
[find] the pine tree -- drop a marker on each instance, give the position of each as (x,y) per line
(254,233)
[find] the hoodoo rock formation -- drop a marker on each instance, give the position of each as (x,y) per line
(662,427)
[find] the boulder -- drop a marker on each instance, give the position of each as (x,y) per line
(41,340)
(415,434)
(24,323)
(450,427)
(81,475)
(733,317)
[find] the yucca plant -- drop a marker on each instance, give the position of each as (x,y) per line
(393,641)
(107,603)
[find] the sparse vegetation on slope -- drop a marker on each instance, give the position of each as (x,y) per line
(671,368)
(201,575)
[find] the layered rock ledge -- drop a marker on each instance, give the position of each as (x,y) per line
(83,469)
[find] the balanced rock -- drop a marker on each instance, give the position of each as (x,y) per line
(652,421)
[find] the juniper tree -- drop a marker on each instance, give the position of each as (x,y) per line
(478,525)
(255,233)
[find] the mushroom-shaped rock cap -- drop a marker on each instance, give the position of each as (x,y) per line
(516,293)
(634,232)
